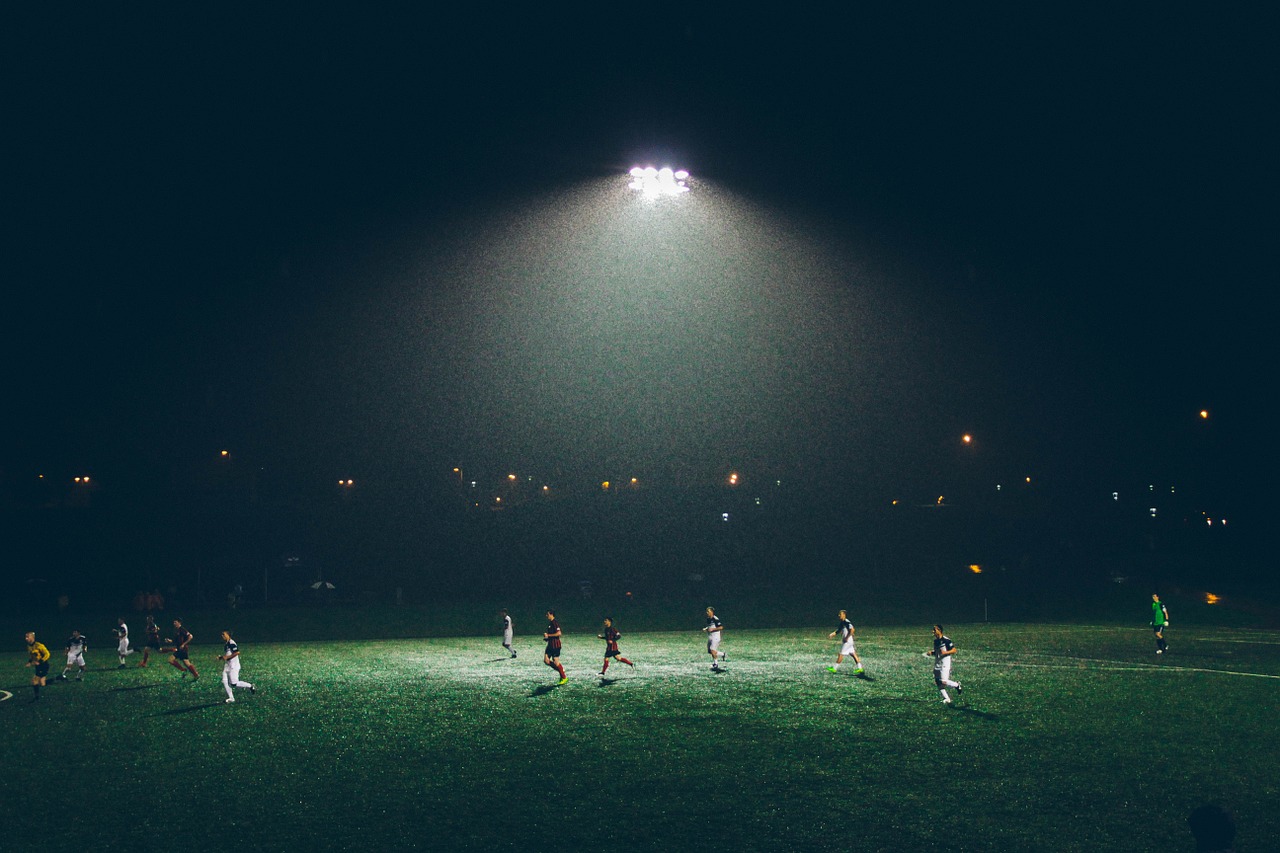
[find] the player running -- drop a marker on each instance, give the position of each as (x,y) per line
(37,656)
(230,658)
(507,631)
(847,647)
(153,640)
(611,638)
(180,656)
(122,641)
(551,657)
(713,629)
(1159,621)
(943,651)
(77,645)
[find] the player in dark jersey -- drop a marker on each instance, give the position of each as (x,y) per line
(943,651)
(712,630)
(180,656)
(844,629)
(38,657)
(611,638)
(77,645)
(230,658)
(153,640)
(551,657)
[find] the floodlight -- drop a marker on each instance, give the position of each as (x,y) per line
(652,182)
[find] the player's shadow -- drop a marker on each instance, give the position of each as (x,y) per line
(499,660)
(605,681)
(862,676)
(543,690)
(135,687)
(974,712)
(173,712)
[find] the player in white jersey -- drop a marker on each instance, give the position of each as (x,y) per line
(845,630)
(230,658)
(77,645)
(507,632)
(122,636)
(942,653)
(713,629)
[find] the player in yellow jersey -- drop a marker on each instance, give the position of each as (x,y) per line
(37,656)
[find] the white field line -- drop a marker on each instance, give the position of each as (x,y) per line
(1120,666)
(7,695)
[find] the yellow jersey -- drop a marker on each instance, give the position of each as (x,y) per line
(38,652)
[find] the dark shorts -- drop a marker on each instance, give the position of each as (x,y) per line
(612,654)
(42,669)
(153,644)
(1157,628)
(180,654)
(552,651)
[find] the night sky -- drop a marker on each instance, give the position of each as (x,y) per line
(361,242)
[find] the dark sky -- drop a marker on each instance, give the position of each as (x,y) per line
(299,233)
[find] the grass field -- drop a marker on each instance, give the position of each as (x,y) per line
(1067,737)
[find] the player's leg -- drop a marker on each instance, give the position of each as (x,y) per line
(226,683)
(605,668)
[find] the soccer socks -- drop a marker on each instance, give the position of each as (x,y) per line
(605,668)
(624,660)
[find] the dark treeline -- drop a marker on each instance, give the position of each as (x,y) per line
(202,539)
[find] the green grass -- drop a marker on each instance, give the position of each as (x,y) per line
(1067,737)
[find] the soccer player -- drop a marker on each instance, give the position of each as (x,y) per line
(845,630)
(153,639)
(943,651)
(551,657)
(713,629)
(180,656)
(507,632)
(230,658)
(77,645)
(1159,621)
(611,638)
(122,637)
(37,656)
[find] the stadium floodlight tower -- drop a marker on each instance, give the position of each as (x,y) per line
(654,183)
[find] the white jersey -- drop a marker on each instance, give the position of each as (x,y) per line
(122,634)
(506,630)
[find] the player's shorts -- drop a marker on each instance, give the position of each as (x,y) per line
(181,654)
(848,648)
(942,669)
(713,641)
(42,669)
(506,639)
(1157,628)
(612,653)
(123,646)
(552,651)
(75,659)
(153,644)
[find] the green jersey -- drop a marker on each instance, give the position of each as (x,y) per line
(1159,616)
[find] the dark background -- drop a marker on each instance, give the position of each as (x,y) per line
(241,229)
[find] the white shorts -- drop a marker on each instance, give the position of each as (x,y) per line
(942,669)
(506,638)
(75,659)
(848,648)
(713,641)
(123,648)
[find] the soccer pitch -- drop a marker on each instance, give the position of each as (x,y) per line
(1066,737)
